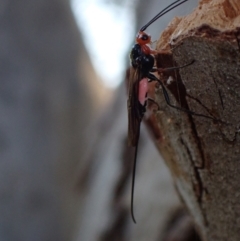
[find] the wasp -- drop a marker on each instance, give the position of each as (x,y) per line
(142,61)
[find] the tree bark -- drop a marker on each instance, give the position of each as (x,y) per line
(203,153)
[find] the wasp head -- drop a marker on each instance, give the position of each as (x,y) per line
(143,38)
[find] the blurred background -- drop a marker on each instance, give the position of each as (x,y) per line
(65,165)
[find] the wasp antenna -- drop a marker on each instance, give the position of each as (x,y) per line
(164,11)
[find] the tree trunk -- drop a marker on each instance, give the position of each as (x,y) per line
(203,153)
(45,105)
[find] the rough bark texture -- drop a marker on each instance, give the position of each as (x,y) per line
(203,154)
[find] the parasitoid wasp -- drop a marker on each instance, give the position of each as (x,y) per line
(142,61)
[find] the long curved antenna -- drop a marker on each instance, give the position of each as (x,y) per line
(133,179)
(164,11)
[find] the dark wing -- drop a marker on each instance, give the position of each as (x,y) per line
(134,108)
(135,115)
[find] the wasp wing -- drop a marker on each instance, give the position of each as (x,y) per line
(134,107)
(135,115)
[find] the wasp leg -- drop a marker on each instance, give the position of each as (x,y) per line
(167,99)
(161,70)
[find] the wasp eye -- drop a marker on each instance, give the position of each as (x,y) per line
(144,37)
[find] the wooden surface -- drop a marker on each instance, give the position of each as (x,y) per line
(203,154)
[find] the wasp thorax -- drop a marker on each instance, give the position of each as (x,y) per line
(143,38)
